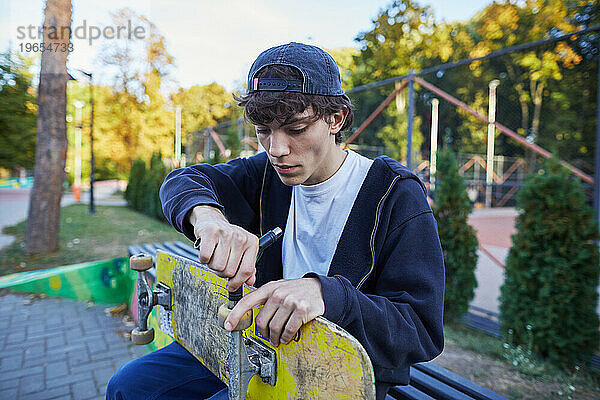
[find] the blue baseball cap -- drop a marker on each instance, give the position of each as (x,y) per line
(320,73)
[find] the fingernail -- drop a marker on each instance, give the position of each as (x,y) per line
(228,326)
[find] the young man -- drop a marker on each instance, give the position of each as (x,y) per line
(360,244)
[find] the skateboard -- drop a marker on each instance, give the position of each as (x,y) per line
(322,362)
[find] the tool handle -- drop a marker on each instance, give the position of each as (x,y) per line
(263,242)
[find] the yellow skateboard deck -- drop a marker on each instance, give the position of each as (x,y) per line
(323,362)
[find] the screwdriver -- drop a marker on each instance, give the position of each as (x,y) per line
(263,242)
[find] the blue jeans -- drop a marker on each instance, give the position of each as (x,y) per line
(166,374)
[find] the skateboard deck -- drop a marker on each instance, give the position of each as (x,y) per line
(322,362)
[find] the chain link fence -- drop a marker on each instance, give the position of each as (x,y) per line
(543,102)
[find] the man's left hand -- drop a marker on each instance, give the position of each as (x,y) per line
(287,305)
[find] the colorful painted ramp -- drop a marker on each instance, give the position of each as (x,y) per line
(106,281)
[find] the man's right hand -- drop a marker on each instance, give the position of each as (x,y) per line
(229,250)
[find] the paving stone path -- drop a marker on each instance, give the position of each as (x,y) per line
(55,348)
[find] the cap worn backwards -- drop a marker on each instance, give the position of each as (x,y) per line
(319,71)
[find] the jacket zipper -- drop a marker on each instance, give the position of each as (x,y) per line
(372,241)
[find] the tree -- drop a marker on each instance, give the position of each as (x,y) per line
(344,58)
(571,102)
(51,146)
(203,106)
(459,242)
(18,115)
(392,48)
(552,269)
(404,37)
(507,24)
(132,119)
(546,93)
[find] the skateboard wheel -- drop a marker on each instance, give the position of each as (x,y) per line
(244,323)
(140,262)
(142,337)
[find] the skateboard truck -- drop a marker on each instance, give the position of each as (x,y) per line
(248,357)
(147,298)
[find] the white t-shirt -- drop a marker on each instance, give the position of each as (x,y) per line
(317,217)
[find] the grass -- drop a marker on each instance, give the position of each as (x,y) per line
(86,237)
(470,339)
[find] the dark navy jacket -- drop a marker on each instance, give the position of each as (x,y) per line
(386,281)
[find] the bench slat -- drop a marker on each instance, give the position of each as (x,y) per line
(192,253)
(407,393)
(458,382)
(171,248)
(159,246)
(134,249)
(185,247)
(483,324)
(435,388)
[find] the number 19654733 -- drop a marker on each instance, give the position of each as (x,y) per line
(40,47)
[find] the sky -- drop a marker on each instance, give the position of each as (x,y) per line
(216,41)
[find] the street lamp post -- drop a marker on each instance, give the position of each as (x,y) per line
(177,152)
(92,209)
(77,161)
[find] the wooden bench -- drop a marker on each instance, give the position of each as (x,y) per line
(428,381)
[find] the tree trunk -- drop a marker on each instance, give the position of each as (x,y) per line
(51,148)
(536,96)
(536,90)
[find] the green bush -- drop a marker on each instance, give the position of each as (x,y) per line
(549,293)
(156,176)
(144,185)
(145,200)
(143,203)
(459,242)
(136,175)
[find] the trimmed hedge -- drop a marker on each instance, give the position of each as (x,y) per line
(143,186)
(459,241)
(552,269)
(136,175)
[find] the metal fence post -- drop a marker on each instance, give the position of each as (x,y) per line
(489,180)
(206,146)
(434,134)
(597,158)
(188,149)
(411,117)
